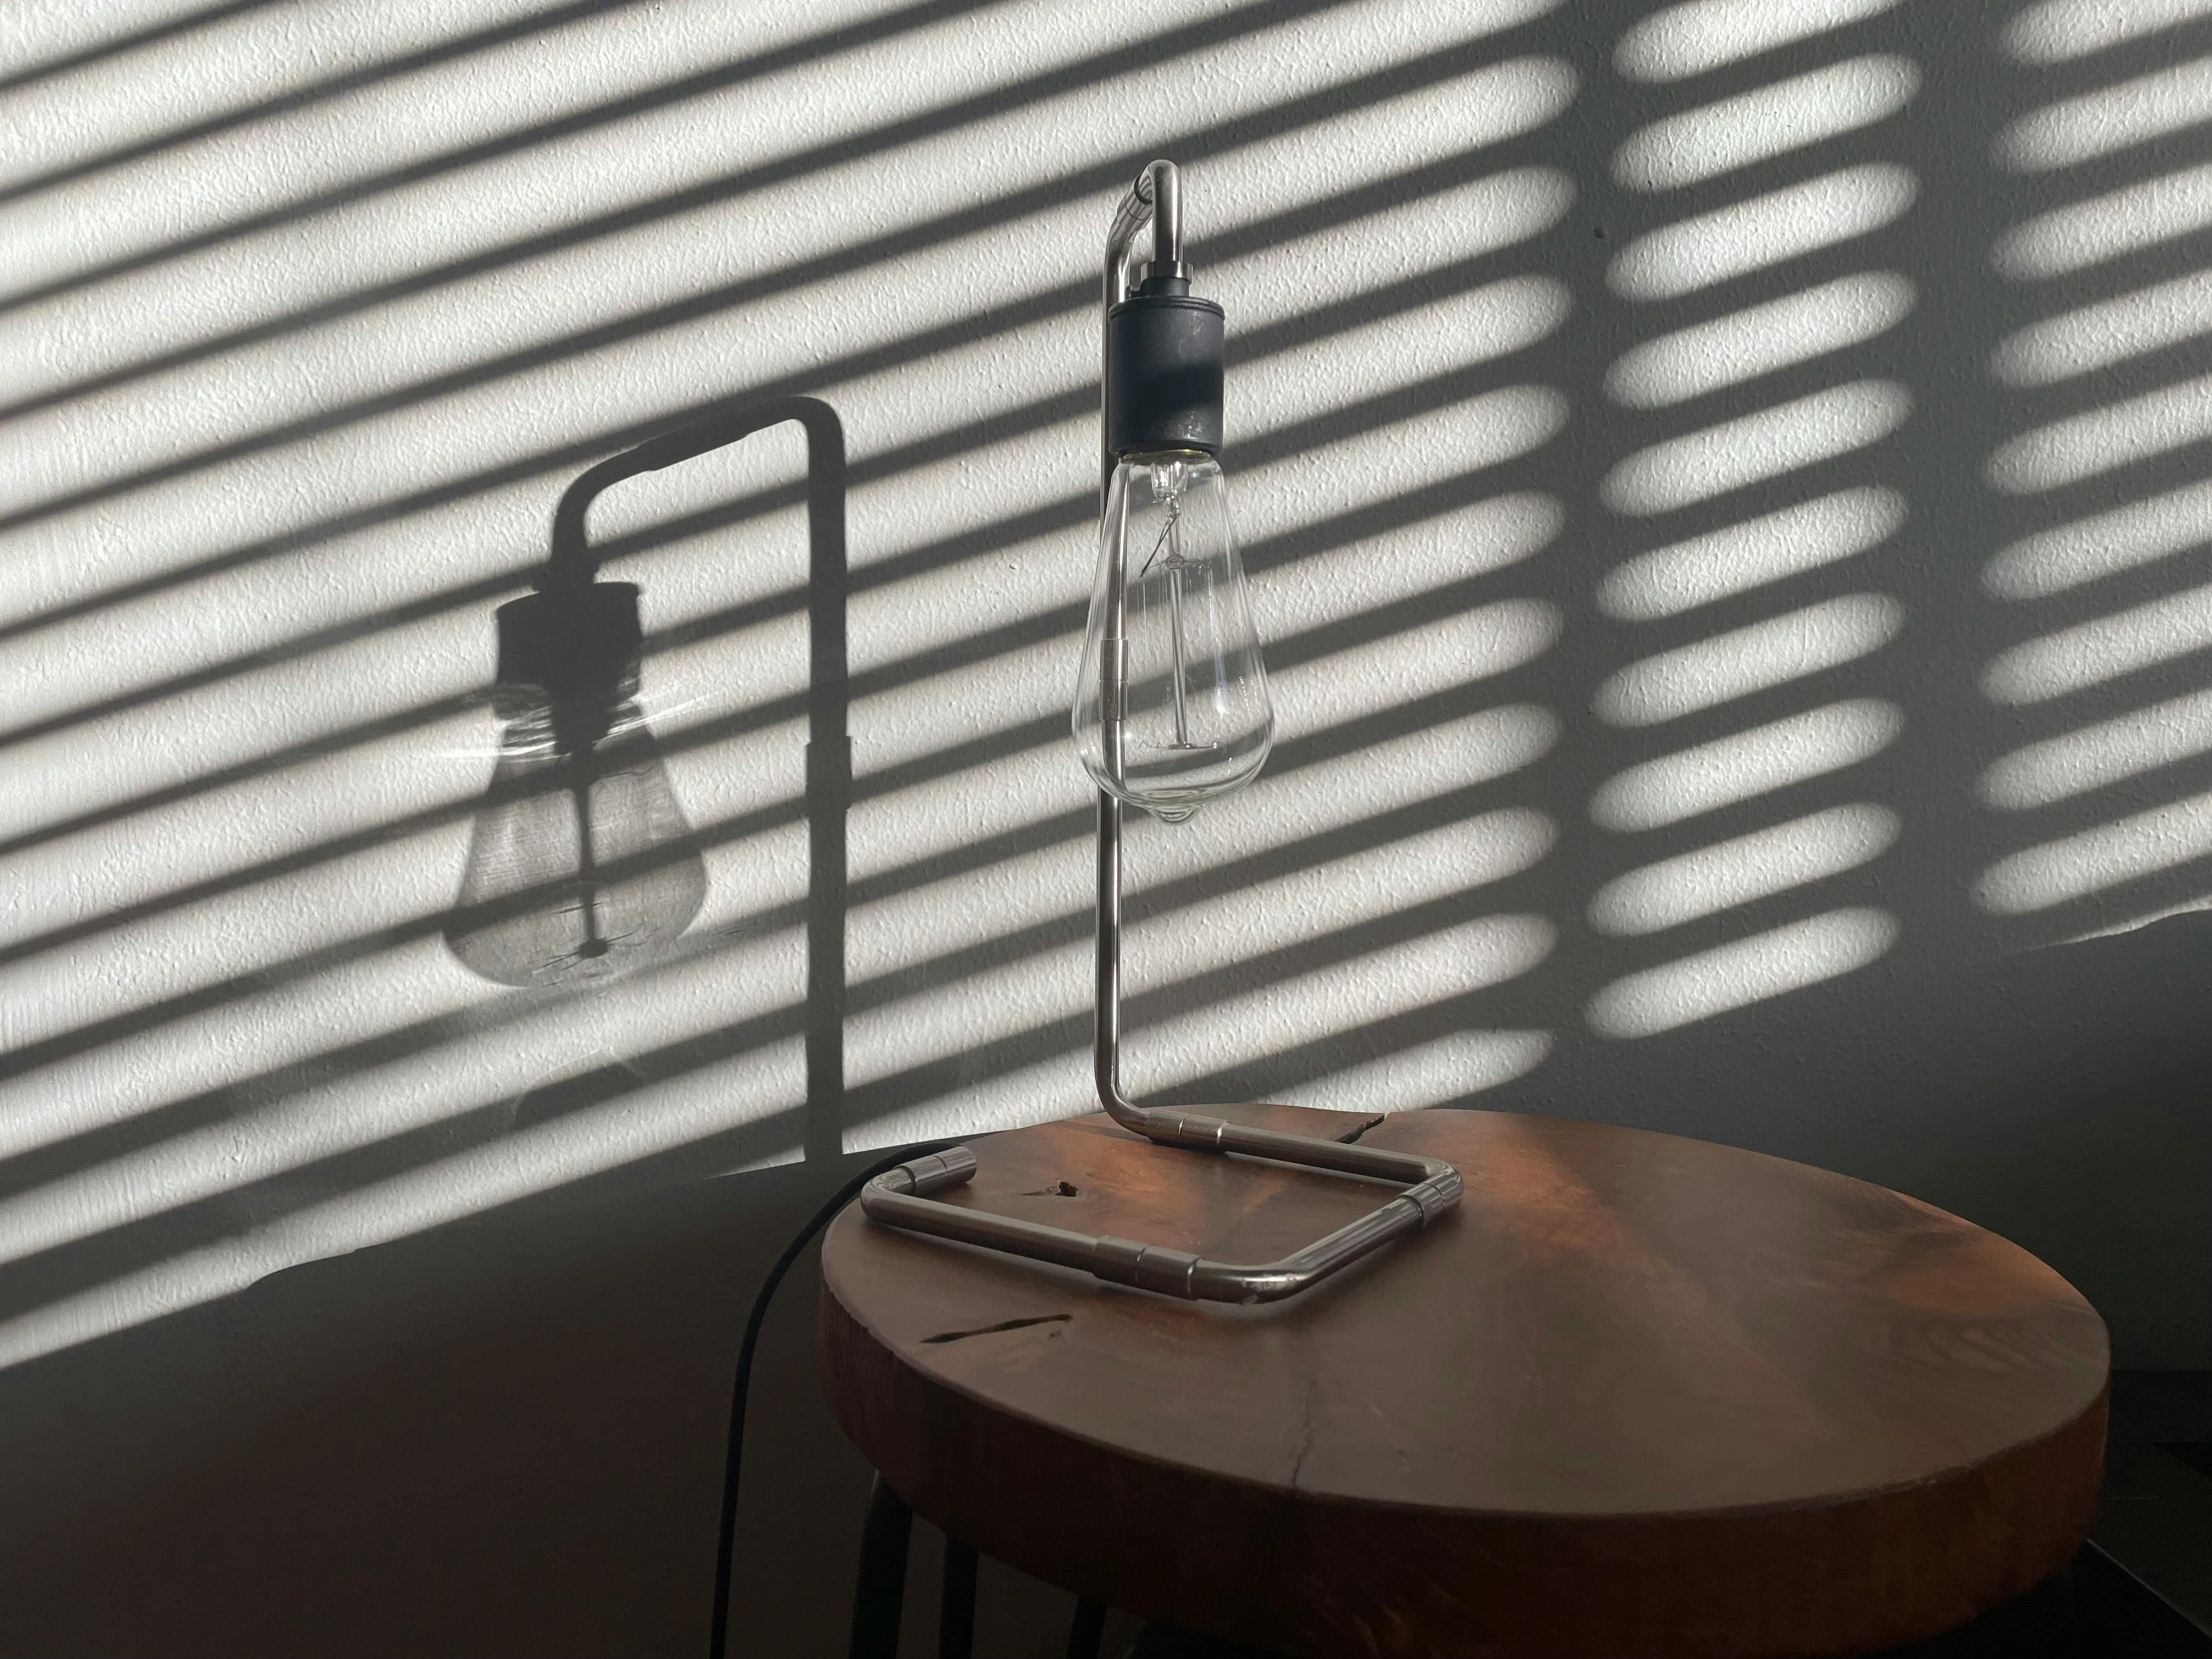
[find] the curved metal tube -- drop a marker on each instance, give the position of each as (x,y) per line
(901,1198)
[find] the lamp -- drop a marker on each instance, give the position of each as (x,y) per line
(1171,710)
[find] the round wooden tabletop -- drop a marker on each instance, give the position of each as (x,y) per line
(1634,1395)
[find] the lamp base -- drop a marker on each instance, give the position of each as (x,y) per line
(901,1196)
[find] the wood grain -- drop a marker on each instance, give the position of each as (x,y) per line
(1636,1395)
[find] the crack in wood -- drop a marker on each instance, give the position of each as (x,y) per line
(1306,1430)
(1004,1325)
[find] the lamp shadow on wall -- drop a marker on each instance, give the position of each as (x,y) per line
(1574,963)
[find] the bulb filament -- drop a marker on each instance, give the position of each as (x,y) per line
(587,870)
(1171,539)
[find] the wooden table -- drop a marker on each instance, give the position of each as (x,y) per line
(1635,1396)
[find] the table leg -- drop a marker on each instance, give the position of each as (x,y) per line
(956,1603)
(1088,1630)
(877,1597)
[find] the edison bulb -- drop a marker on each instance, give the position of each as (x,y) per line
(1171,630)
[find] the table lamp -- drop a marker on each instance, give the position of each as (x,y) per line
(1171,710)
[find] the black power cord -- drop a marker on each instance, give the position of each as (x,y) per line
(718,1642)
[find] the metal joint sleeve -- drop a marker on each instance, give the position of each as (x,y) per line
(1147,1266)
(1434,1196)
(933,1174)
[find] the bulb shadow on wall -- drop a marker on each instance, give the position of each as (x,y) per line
(1389,301)
(1408,188)
(1440,393)
(1666,871)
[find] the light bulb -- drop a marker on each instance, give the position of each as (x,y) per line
(580,861)
(1195,720)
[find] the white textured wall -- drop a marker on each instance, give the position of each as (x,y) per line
(1723,487)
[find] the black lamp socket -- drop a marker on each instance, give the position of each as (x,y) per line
(1164,371)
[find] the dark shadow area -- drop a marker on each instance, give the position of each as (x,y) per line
(2155,1532)
(2089,1610)
(490,1440)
